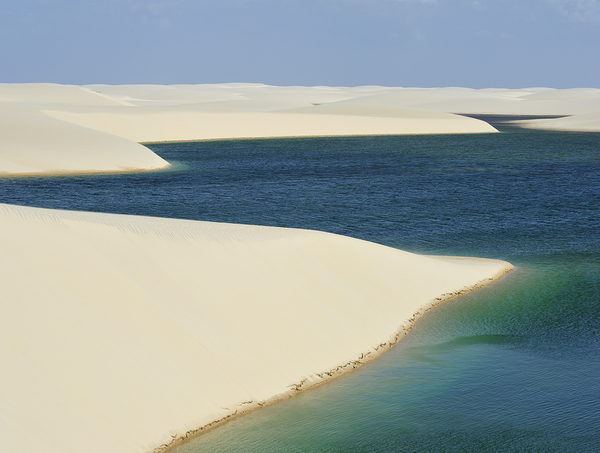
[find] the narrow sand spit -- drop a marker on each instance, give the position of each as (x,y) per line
(122,333)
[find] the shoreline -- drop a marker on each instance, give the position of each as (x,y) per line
(81,173)
(251,316)
(275,137)
(330,376)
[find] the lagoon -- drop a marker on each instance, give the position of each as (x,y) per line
(513,367)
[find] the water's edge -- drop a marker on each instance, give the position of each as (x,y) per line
(326,377)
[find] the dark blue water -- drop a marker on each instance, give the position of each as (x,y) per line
(514,367)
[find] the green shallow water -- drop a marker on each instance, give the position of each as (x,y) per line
(513,367)
(497,370)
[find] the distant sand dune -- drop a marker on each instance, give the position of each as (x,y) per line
(145,125)
(587,122)
(34,143)
(156,113)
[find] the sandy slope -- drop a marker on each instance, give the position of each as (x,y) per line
(34,143)
(118,332)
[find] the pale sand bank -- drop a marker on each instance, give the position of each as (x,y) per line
(48,128)
(144,125)
(120,332)
(38,133)
(32,143)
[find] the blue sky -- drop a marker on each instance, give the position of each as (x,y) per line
(427,43)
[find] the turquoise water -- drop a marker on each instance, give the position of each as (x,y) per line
(513,367)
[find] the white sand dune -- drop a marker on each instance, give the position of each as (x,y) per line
(34,143)
(120,332)
(51,93)
(530,101)
(144,125)
(251,111)
(49,128)
(116,116)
